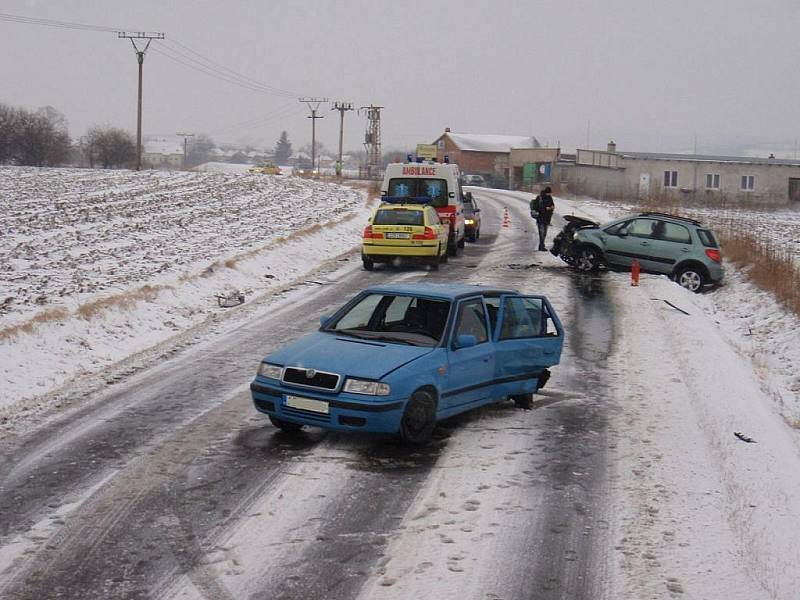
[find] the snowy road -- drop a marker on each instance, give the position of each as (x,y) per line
(170,485)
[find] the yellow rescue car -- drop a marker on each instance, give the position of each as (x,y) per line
(266,169)
(404,231)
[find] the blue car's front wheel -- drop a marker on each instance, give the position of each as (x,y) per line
(419,418)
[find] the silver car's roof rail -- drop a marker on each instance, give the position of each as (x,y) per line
(669,216)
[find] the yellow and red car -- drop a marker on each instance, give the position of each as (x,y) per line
(266,169)
(400,230)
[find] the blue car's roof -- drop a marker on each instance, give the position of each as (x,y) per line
(446,291)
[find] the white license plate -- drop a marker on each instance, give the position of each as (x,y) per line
(393,235)
(307,404)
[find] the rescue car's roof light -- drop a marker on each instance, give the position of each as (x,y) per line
(407,199)
(420,159)
(447,159)
(410,157)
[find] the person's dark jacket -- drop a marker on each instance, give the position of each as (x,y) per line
(546,208)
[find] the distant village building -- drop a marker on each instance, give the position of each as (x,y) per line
(610,173)
(162,153)
(481,153)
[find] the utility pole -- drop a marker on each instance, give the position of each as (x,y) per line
(342,107)
(133,36)
(372,139)
(186,137)
(313,106)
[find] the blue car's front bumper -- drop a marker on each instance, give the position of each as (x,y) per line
(346,412)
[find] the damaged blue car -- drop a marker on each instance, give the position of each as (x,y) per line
(398,358)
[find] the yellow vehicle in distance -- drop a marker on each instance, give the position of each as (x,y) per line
(266,169)
(404,230)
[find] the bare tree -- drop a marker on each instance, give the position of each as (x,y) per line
(110,147)
(41,139)
(8,132)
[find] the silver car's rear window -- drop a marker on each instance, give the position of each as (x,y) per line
(707,238)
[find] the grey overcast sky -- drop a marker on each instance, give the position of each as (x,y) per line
(652,75)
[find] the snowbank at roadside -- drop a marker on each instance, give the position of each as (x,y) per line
(700,511)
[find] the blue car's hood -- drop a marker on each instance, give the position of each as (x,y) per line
(346,356)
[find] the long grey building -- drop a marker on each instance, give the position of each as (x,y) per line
(609,173)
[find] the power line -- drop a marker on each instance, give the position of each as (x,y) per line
(133,36)
(279,113)
(58,24)
(195,65)
(186,137)
(342,107)
(372,139)
(201,63)
(313,106)
(228,70)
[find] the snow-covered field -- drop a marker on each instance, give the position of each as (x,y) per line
(98,265)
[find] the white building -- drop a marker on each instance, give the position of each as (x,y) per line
(162,152)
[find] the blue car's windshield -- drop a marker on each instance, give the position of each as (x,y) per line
(394,318)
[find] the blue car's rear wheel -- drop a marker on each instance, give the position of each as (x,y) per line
(524,401)
(419,418)
(285,425)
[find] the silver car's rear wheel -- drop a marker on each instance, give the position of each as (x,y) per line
(588,259)
(690,278)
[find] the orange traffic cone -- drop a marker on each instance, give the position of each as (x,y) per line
(635,269)
(506,218)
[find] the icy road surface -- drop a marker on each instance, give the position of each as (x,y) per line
(624,481)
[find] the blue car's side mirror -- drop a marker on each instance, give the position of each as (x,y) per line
(324,319)
(466,341)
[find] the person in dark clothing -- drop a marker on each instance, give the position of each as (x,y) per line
(542,208)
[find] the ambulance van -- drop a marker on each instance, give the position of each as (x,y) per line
(437,183)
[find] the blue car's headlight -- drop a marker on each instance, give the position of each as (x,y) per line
(271,371)
(369,388)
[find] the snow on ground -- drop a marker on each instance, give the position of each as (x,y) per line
(99,265)
(697,511)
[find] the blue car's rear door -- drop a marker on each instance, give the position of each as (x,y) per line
(528,338)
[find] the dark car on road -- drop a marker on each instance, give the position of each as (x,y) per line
(473,180)
(682,248)
(472,218)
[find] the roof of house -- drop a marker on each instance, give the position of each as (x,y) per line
(479,142)
(165,147)
(749,160)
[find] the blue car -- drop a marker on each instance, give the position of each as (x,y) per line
(398,358)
